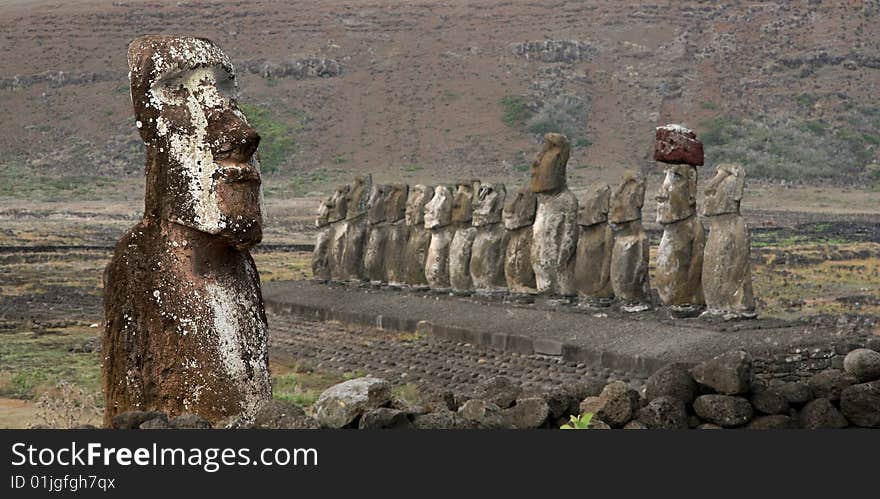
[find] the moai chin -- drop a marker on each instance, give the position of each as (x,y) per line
(630,251)
(593,260)
(397,232)
(463,239)
(680,254)
(438,220)
(353,231)
(330,212)
(185,328)
(377,234)
(518,216)
(727,274)
(555,231)
(418,238)
(490,242)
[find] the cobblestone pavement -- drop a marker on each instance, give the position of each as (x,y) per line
(423,361)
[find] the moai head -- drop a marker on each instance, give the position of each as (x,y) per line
(438,211)
(725,191)
(202,170)
(376,203)
(627,199)
(358,197)
(519,209)
(418,197)
(332,209)
(677,197)
(593,208)
(548,169)
(462,201)
(489,204)
(395,203)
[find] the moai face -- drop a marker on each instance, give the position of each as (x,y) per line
(202,171)
(489,204)
(395,203)
(548,169)
(358,197)
(376,203)
(438,211)
(519,209)
(462,201)
(418,197)
(332,209)
(725,191)
(627,199)
(677,197)
(593,208)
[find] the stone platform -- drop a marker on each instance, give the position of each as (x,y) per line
(634,343)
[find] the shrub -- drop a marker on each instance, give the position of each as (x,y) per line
(514,111)
(581,422)
(277,141)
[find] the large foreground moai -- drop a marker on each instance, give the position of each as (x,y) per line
(490,242)
(463,240)
(330,213)
(593,261)
(438,220)
(555,230)
(352,233)
(630,253)
(518,217)
(185,326)
(396,235)
(727,274)
(374,248)
(418,237)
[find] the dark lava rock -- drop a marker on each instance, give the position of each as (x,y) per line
(730,373)
(155,424)
(384,418)
(769,401)
(820,414)
(723,410)
(863,364)
(616,405)
(437,400)
(664,413)
(443,420)
(485,414)
(672,380)
(131,420)
(861,404)
(187,421)
(281,415)
(499,390)
(829,383)
(709,426)
(635,424)
(796,393)
(774,422)
(527,413)
(341,404)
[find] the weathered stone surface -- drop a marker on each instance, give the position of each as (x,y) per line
(418,237)
(796,393)
(592,272)
(664,413)
(723,410)
(676,144)
(518,216)
(460,254)
(635,425)
(490,242)
(727,274)
(377,234)
(680,254)
(341,404)
(394,259)
(672,380)
(485,414)
(527,413)
(130,420)
(630,251)
(187,421)
(330,212)
(821,414)
(709,426)
(155,424)
(548,168)
(627,199)
(598,424)
(282,415)
(829,383)
(554,243)
(730,373)
(499,390)
(774,422)
(384,418)
(863,364)
(861,404)
(769,401)
(443,420)
(616,405)
(438,217)
(185,325)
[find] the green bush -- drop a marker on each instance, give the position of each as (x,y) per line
(277,141)
(514,111)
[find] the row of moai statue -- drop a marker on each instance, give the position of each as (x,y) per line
(475,238)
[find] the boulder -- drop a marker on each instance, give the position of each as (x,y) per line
(861,404)
(616,405)
(527,413)
(664,413)
(384,418)
(499,390)
(188,421)
(131,420)
(769,401)
(829,383)
(774,422)
(282,415)
(709,426)
(486,414)
(341,404)
(821,414)
(598,424)
(863,364)
(730,373)
(635,424)
(155,424)
(796,393)
(436,400)
(672,380)
(723,410)
(443,420)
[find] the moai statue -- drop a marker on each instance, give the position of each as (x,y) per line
(592,272)
(518,217)
(490,242)
(353,232)
(555,230)
(727,273)
(374,248)
(331,211)
(396,239)
(463,240)
(438,220)
(418,237)
(185,328)
(630,252)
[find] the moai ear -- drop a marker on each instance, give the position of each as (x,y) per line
(692,185)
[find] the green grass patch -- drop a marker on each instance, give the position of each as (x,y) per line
(514,111)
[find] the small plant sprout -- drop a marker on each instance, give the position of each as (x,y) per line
(581,422)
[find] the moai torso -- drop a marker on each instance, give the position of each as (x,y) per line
(438,220)
(377,234)
(418,238)
(680,254)
(353,231)
(518,217)
(463,239)
(185,328)
(727,274)
(397,231)
(555,231)
(593,259)
(331,211)
(630,252)
(487,252)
